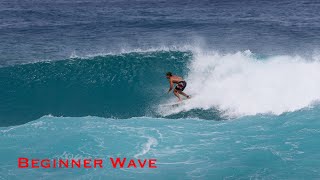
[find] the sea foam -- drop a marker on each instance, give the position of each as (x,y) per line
(244,84)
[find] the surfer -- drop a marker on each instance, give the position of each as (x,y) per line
(181,85)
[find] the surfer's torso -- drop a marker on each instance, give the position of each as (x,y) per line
(176,79)
(181,84)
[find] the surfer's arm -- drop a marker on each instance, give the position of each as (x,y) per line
(171,86)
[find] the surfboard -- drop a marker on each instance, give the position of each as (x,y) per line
(174,104)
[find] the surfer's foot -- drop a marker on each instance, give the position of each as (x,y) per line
(188,97)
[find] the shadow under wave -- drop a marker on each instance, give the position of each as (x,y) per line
(209,114)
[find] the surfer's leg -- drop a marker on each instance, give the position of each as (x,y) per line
(184,94)
(176,93)
(181,88)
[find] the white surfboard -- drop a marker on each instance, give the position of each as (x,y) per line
(174,104)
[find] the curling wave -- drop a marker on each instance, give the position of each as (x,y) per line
(133,85)
(246,84)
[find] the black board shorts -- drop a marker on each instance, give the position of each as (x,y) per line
(181,85)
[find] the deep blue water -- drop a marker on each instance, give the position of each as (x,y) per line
(87,79)
(45,29)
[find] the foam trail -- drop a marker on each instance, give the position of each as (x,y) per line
(147,146)
(241,84)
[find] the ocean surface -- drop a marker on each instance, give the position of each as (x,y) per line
(83,79)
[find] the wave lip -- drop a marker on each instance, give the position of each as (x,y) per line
(132,84)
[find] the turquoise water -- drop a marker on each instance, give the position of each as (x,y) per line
(248,123)
(86,79)
(255,147)
(123,86)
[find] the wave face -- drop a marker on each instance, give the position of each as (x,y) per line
(120,86)
(134,85)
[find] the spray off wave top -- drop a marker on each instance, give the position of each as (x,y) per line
(244,84)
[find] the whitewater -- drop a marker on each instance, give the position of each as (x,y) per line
(86,80)
(245,84)
(250,116)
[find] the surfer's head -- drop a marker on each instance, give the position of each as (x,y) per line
(168,75)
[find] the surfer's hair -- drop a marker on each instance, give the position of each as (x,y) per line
(169,74)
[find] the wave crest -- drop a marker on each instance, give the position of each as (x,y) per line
(246,84)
